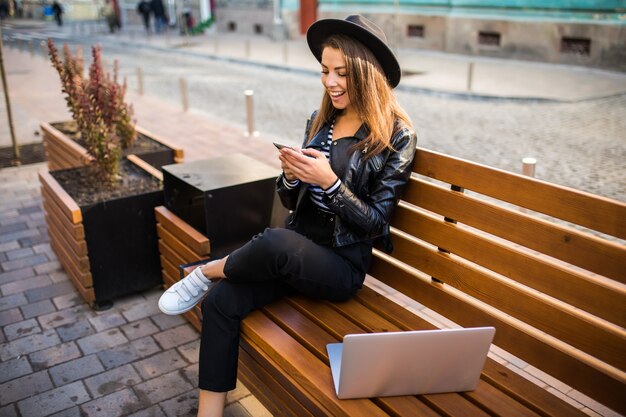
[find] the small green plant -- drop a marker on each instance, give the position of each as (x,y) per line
(97,106)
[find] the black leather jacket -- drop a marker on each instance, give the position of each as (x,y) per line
(369,190)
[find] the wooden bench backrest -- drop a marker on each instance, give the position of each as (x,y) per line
(544,264)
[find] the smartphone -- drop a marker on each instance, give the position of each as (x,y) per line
(281,146)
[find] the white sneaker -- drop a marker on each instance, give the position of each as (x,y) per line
(185,294)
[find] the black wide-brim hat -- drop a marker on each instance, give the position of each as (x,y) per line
(364,31)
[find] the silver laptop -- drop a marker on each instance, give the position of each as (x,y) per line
(409,363)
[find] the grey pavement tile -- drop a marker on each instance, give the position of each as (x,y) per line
(37,308)
(18,236)
(140,328)
(15,275)
(190,351)
(154,411)
(34,208)
(176,336)
(24,387)
(123,354)
(113,380)
(8,213)
(54,400)
(67,300)
(73,331)
(44,248)
(3,258)
(165,321)
(185,404)
(19,253)
(21,329)
(75,369)
(29,344)
(8,411)
(104,321)
(54,355)
(160,364)
(14,227)
(12,301)
(235,410)
(48,267)
(24,262)
(10,316)
(191,374)
(162,388)
(24,285)
(35,238)
(58,276)
(101,341)
(2,337)
(49,291)
(119,403)
(67,316)
(70,412)
(141,310)
(14,368)
(7,246)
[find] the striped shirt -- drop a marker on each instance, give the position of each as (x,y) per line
(317,192)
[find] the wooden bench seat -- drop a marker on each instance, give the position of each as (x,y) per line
(544,264)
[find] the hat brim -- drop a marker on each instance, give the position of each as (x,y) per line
(319,31)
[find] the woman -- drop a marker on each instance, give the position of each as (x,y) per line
(342,187)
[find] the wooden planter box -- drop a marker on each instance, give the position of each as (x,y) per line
(108,249)
(62,152)
(179,244)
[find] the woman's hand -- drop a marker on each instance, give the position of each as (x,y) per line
(307,165)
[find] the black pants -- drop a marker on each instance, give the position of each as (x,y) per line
(273,264)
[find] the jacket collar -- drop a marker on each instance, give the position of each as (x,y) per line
(322,135)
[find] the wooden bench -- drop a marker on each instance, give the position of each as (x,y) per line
(544,264)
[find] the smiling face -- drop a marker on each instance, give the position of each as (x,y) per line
(335,78)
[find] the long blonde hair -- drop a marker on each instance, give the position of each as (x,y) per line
(370,96)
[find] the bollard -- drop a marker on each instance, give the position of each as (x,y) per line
(215,46)
(249,94)
(285,53)
(44,50)
(470,75)
(183,93)
(247,48)
(31,48)
(528,166)
(139,81)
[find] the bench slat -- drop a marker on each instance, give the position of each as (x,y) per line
(577,248)
(310,373)
(579,329)
(289,384)
(513,385)
(263,386)
(183,231)
(595,212)
(574,287)
(184,251)
(583,373)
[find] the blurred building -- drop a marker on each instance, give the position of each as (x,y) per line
(581,32)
